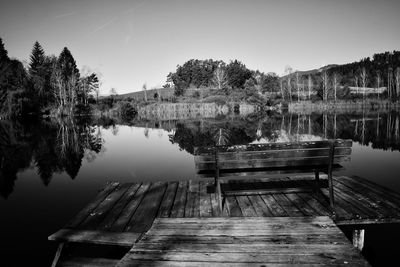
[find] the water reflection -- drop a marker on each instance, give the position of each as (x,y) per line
(49,146)
(59,146)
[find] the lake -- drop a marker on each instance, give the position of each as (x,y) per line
(51,169)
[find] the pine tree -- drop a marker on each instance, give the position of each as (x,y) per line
(3,52)
(37,59)
(67,65)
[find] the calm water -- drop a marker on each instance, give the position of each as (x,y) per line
(49,170)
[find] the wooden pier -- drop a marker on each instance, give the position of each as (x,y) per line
(122,214)
(256,241)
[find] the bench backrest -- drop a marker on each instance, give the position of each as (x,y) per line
(272,156)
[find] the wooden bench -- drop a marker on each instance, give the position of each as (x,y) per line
(259,160)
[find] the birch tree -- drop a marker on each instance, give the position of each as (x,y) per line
(378,82)
(310,85)
(297,85)
(288,72)
(363,76)
(335,83)
(325,81)
(397,80)
(219,77)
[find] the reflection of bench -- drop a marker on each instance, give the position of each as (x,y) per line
(259,160)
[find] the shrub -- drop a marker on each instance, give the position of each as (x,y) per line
(127,111)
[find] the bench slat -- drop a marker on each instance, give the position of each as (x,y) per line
(266,154)
(273,146)
(271,163)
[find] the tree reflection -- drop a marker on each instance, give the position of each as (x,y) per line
(51,146)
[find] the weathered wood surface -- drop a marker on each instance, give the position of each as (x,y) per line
(273,146)
(121,212)
(243,242)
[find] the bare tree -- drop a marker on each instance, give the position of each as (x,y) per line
(335,83)
(288,72)
(397,80)
(390,82)
(363,76)
(144,88)
(282,93)
(378,82)
(310,85)
(297,85)
(219,77)
(325,81)
(356,82)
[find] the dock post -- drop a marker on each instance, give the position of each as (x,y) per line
(58,254)
(330,179)
(218,184)
(358,238)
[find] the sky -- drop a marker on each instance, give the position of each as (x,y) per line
(140,41)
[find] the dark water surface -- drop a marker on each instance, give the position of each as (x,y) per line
(49,170)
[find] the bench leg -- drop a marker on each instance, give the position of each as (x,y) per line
(316,187)
(331,194)
(58,254)
(218,191)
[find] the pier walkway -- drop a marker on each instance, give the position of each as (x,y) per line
(278,241)
(122,214)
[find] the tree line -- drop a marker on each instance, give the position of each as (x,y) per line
(49,84)
(381,72)
(332,82)
(217,74)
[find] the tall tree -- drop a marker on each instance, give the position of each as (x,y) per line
(378,82)
(288,72)
(237,74)
(363,76)
(325,82)
(335,83)
(309,85)
(219,78)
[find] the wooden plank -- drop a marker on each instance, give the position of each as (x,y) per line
(301,205)
(178,210)
(196,196)
(226,220)
(287,205)
(168,200)
(272,163)
(95,237)
(315,204)
(99,213)
(272,240)
(325,258)
(245,206)
(205,200)
(273,146)
(128,211)
(267,154)
(298,248)
(262,173)
(114,213)
(273,205)
(92,205)
(376,196)
(144,216)
(233,207)
(145,263)
(88,262)
(192,203)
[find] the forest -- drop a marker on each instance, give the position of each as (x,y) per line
(332,82)
(48,85)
